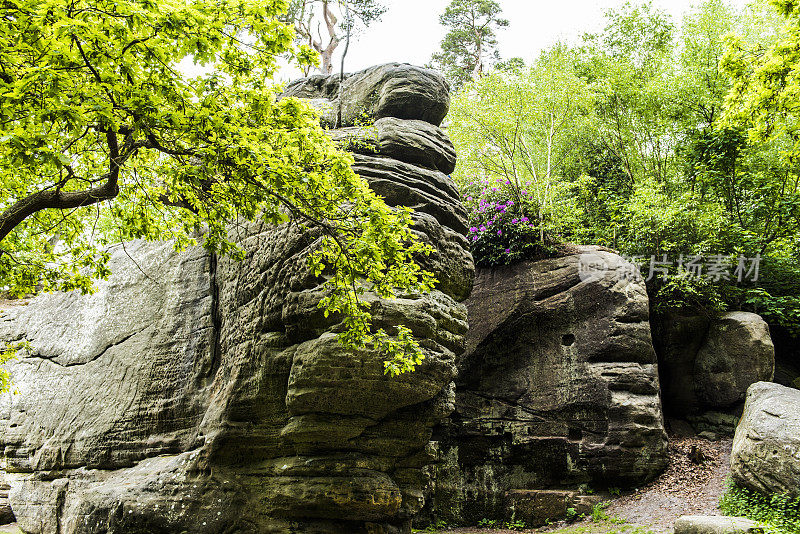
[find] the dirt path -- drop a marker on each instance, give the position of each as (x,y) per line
(685,488)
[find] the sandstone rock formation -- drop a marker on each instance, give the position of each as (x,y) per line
(706,365)
(558,387)
(766,447)
(191,394)
(392,90)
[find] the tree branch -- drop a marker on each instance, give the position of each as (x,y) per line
(58,199)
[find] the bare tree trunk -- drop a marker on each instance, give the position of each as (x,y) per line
(477,72)
(333,43)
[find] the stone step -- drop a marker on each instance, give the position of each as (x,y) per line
(538,507)
(716,524)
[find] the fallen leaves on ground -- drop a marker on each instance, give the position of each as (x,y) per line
(683,476)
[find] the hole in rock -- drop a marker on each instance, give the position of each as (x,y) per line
(567,339)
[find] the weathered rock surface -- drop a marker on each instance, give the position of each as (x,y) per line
(766,447)
(191,394)
(558,387)
(737,353)
(714,524)
(409,141)
(393,90)
(706,365)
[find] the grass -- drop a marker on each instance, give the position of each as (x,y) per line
(609,525)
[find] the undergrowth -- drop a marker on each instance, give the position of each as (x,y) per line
(780,513)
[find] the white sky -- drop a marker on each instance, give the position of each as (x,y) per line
(410,32)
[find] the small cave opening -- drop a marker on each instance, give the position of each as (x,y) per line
(567,339)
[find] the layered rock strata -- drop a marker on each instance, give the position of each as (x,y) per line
(191,394)
(558,387)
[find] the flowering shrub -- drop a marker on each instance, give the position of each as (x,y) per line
(504,225)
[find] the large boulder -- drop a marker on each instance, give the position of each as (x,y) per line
(766,447)
(707,364)
(737,352)
(558,387)
(204,395)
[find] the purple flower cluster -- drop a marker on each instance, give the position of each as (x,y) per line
(493,207)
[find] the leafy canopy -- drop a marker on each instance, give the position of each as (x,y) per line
(516,133)
(619,142)
(105,140)
(765,96)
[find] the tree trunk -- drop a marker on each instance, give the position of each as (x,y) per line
(333,43)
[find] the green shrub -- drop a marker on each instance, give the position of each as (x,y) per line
(504,227)
(779,512)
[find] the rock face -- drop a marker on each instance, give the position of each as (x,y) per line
(766,447)
(191,394)
(706,365)
(558,387)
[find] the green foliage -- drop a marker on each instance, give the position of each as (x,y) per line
(436,526)
(515,524)
(648,138)
(470,39)
(657,223)
(779,513)
(683,292)
(517,134)
(502,230)
(104,140)
(776,296)
(488,523)
(638,33)
(763,96)
(8,352)
(572,515)
(599,512)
